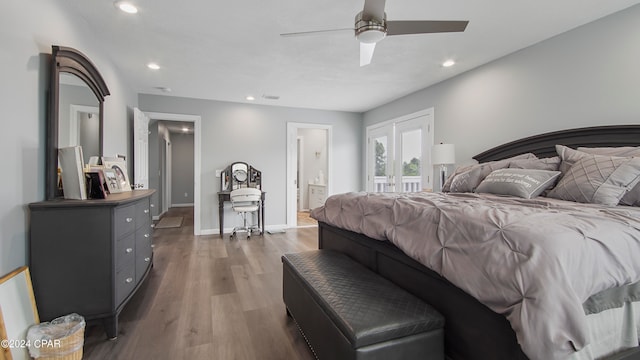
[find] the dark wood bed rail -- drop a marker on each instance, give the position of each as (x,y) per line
(543,145)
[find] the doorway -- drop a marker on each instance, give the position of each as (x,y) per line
(165,162)
(398,154)
(308,170)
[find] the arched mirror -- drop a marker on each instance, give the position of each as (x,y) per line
(76,97)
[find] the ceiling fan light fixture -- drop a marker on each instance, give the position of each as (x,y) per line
(370,31)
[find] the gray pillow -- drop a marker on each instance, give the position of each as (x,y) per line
(524,183)
(468,178)
(597,179)
(551,164)
(632,197)
(446,187)
(568,156)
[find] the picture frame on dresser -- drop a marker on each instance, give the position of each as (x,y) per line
(119,165)
(111,179)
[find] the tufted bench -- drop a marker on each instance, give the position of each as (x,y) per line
(346,311)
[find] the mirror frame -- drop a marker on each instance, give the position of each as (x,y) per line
(68,60)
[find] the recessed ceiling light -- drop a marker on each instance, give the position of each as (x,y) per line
(153,66)
(250,98)
(127,7)
(448,63)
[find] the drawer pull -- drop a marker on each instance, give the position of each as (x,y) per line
(129,220)
(153,245)
(146,211)
(147,259)
(129,280)
(129,250)
(146,235)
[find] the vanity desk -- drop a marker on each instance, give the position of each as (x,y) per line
(90,256)
(235,176)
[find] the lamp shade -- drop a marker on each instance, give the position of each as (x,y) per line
(443,154)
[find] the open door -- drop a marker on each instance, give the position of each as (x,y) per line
(140,149)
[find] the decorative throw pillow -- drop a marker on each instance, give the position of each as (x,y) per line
(524,183)
(568,157)
(468,178)
(550,164)
(446,187)
(598,179)
(632,197)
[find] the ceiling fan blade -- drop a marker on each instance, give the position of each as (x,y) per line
(317,32)
(373,9)
(366,53)
(424,27)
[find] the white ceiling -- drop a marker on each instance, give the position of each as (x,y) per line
(226,50)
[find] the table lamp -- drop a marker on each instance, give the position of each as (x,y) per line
(443,155)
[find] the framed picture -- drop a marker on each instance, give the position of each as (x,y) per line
(120,166)
(17,312)
(111,179)
(95,185)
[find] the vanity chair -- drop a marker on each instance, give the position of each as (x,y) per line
(245,201)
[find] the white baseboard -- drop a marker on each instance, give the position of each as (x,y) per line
(158,217)
(182,205)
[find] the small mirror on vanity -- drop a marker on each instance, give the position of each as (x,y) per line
(75,115)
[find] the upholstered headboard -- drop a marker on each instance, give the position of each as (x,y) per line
(543,145)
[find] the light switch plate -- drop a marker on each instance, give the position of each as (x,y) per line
(218,173)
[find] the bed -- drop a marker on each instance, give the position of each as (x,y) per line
(484,329)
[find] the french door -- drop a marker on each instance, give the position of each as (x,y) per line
(398,154)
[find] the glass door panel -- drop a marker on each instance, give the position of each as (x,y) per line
(381,160)
(410,146)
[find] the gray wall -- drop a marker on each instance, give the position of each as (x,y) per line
(585,77)
(257,134)
(27,31)
(181,168)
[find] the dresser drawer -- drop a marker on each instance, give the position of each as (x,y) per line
(124,220)
(125,282)
(143,213)
(125,251)
(143,260)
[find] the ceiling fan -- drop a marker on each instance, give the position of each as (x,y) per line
(371,26)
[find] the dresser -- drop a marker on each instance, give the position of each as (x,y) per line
(90,256)
(317,195)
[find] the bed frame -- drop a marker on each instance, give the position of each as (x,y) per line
(472,330)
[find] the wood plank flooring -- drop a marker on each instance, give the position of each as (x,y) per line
(209,297)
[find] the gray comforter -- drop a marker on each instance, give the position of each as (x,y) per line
(534,261)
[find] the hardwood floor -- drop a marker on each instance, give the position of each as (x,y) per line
(304,219)
(209,297)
